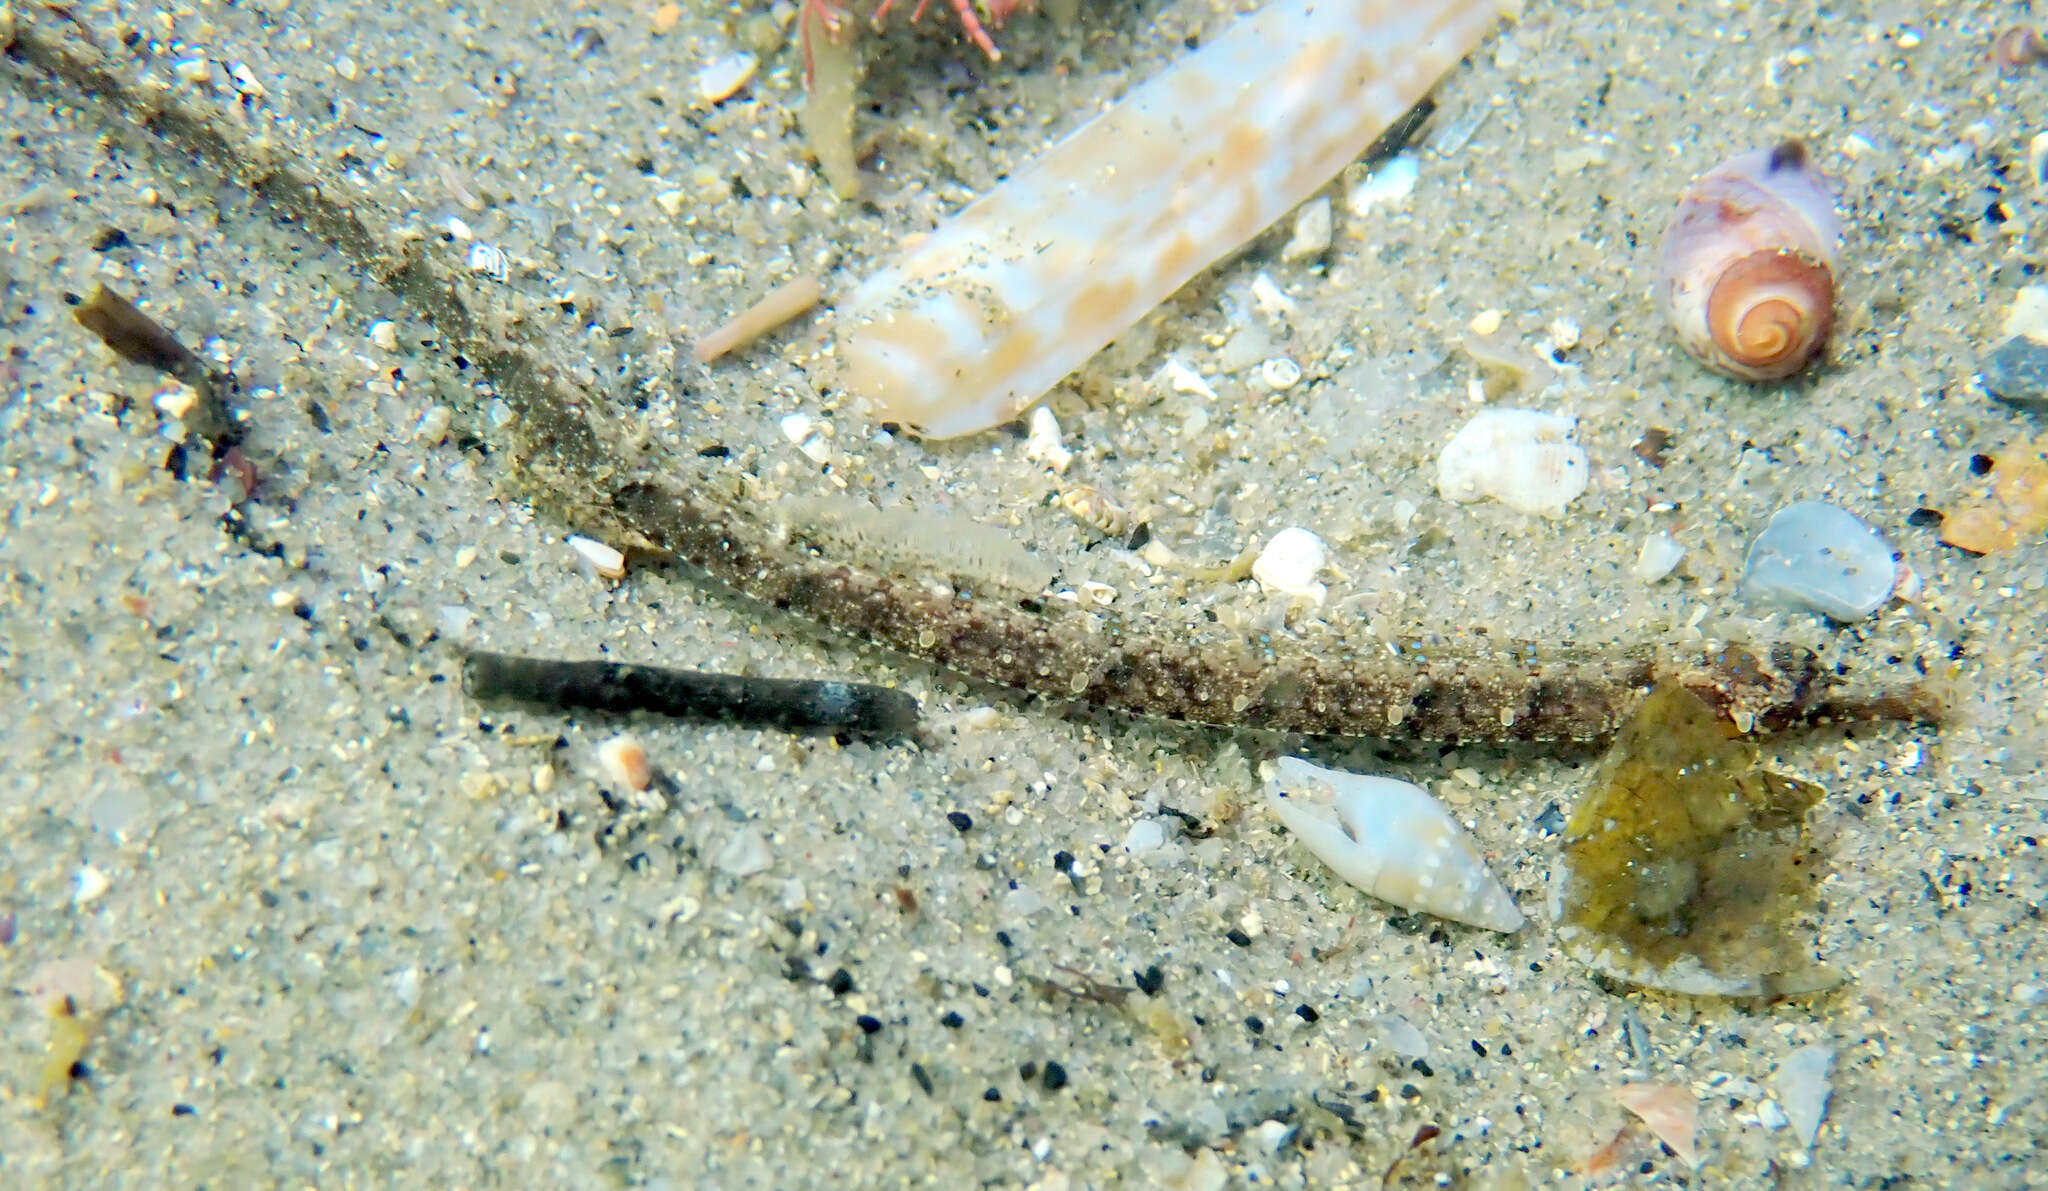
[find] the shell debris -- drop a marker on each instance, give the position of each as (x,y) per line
(1043,444)
(1659,556)
(1391,839)
(624,763)
(1816,557)
(1522,458)
(1014,292)
(1290,563)
(722,78)
(607,561)
(1670,1110)
(1802,1083)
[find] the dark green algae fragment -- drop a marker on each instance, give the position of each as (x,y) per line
(1689,869)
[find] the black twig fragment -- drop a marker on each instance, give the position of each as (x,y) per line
(140,339)
(799,705)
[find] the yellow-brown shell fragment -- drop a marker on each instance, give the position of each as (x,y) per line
(1007,297)
(1687,868)
(2017,510)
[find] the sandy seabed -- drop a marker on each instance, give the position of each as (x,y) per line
(365,932)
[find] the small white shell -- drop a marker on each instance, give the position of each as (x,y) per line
(1044,445)
(1391,839)
(1524,459)
(1290,563)
(1660,553)
(623,762)
(722,78)
(607,561)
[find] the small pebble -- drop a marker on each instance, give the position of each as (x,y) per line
(1770,1116)
(87,884)
(1269,1136)
(1145,835)
(1819,558)
(745,854)
(2016,373)
(960,820)
(384,335)
(433,425)
(1312,224)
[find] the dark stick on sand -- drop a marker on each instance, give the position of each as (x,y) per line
(140,339)
(799,705)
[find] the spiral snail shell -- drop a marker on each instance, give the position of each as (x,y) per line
(1749,264)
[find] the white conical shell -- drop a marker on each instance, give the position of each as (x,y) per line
(1748,266)
(1391,839)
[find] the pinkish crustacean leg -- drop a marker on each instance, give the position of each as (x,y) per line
(964,9)
(830,18)
(969,22)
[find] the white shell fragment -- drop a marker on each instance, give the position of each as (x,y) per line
(1280,373)
(1043,445)
(1391,182)
(1818,558)
(1802,1082)
(1391,839)
(1312,227)
(607,561)
(1017,290)
(1290,563)
(1658,557)
(722,78)
(624,763)
(1522,458)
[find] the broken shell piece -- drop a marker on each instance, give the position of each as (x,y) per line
(1012,293)
(1660,553)
(605,560)
(809,438)
(722,78)
(1391,839)
(623,760)
(1802,1081)
(1290,563)
(1524,459)
(1671,1112)
(1280,373)
(1043,445)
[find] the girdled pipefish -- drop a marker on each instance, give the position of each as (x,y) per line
(1464,690)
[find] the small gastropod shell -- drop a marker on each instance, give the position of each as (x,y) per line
(1391,839)
(1749,264)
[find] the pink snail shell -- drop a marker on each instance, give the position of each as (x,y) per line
(1749,264)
